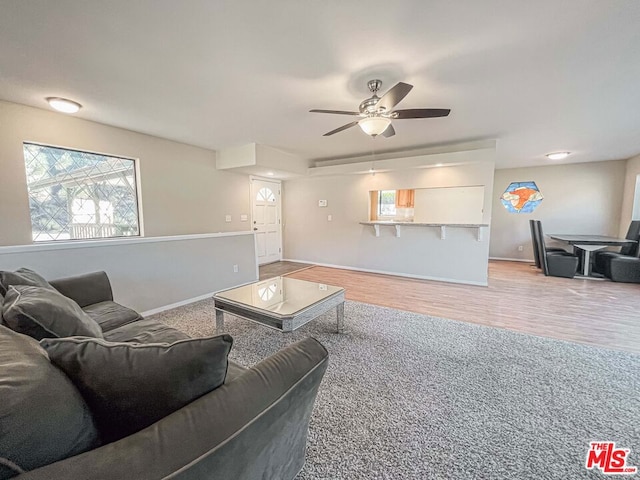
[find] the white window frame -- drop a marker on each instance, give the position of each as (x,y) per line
(138,188)
(379,205)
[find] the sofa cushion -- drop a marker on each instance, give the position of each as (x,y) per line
(86,288)
(42,312)
(234,371)
(22,276)
(145,331)
(43,417)
(129,386)
(110,315)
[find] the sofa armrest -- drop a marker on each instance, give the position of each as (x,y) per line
(254,427)
(85,289)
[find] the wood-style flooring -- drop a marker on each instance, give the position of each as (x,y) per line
(518,298)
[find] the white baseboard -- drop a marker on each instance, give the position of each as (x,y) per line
(182,303)
(525,260)
(177,304)
(396,274)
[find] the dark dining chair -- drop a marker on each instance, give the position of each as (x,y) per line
(624,269)
(554,263)
(534,242)
(603,260)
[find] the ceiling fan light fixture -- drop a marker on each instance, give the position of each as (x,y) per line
(64,105)
(374,125)
(379,111)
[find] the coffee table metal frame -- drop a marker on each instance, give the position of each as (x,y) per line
(284,323)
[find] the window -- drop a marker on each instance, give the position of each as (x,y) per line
(396,205)
(386,203)
(80,195)
(635,212)
(265,195)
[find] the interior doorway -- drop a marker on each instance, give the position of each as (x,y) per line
(266,210)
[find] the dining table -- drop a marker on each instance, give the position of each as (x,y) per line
(588,244)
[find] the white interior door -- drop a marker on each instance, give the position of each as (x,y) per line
(266,211)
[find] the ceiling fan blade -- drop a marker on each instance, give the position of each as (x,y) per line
(421,113)
(394,96)
(389,132)
(339,129)
(338,112)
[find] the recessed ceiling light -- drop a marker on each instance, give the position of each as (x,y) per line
(64,105)
(558,155)
(439,165)
(270,174)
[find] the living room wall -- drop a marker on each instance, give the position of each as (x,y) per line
(631,197)
(181,190)
(183,197)
(148,274)
(420,252)
(578,198)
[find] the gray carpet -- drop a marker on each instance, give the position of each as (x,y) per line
(407,396)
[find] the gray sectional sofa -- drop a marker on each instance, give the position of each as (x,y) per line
(252,426)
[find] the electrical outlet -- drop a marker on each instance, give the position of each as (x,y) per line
(227,218)
(520,248)
(235,269)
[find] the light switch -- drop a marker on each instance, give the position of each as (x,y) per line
(227,218)
(322,203)
(243,218)
(329,218)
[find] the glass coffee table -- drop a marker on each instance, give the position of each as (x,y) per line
(282,303)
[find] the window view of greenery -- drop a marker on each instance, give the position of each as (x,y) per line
(80,195)
(386,203)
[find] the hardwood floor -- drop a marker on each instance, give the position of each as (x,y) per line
(518,298)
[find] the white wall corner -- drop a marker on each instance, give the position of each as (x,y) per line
(278,160)
(242,156)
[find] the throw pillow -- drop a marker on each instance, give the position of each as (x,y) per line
(43,417)
(129,386)
(22,276)
(41,313)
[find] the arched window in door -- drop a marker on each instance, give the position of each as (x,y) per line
(265,195)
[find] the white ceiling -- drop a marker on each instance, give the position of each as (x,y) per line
(538,75)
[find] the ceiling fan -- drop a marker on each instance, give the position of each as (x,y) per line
(377,112)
